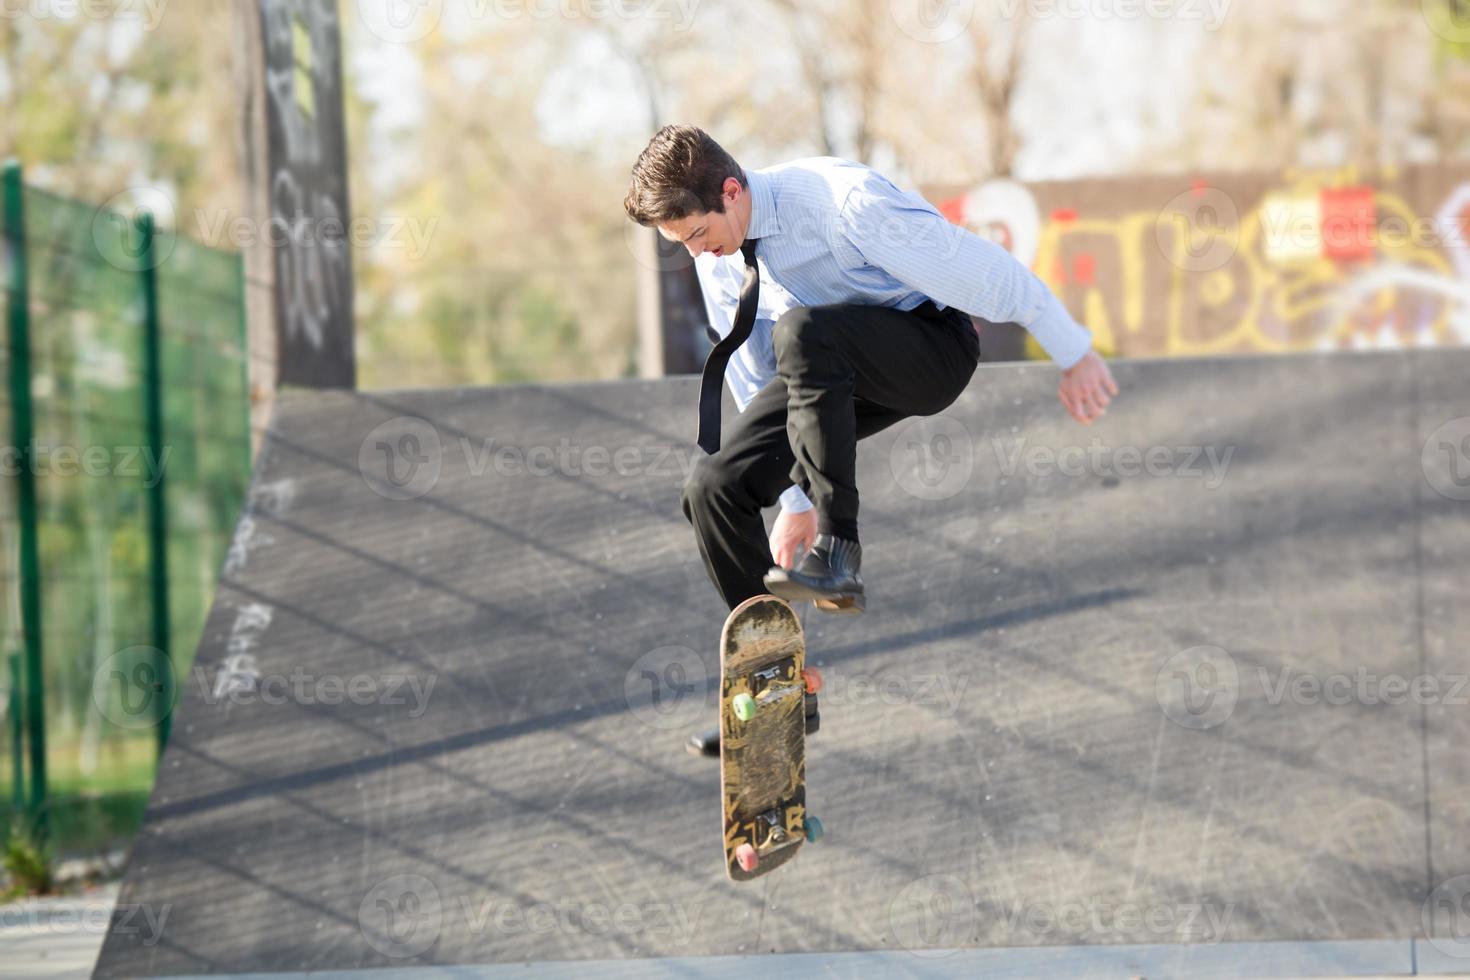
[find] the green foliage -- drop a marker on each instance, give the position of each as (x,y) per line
(28,862)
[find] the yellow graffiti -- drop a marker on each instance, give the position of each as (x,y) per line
(1264,295)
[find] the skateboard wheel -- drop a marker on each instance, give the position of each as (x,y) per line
(746,857)
(813,828)
(744,706)
(812,679)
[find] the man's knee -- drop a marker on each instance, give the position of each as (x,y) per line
(799,331)
(710,477)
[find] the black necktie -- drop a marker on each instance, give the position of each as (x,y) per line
(714,365)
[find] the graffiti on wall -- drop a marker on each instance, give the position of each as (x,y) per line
(1311,261)
(308,192)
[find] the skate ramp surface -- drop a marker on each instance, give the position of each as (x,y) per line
(1124,686)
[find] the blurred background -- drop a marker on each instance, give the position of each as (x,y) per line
(1193,177)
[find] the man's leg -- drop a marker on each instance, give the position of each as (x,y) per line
(833,358)
(726,492)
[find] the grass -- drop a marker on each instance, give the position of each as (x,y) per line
(90,813)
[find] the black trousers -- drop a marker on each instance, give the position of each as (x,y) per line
(844,372)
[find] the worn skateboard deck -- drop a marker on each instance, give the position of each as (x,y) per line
(762,757)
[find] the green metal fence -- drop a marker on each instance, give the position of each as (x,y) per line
(125,423)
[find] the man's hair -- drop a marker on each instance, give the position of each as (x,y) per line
(681,171)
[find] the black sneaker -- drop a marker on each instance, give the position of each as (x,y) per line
(828,575)
(704,743)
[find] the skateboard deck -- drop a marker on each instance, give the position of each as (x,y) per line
(763,682)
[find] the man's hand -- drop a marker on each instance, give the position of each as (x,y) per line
(1086,388)
(791,535)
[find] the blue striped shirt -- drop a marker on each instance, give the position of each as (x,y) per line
(833,231)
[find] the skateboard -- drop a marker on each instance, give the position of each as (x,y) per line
(763,688)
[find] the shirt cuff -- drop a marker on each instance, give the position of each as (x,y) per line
(793,501)
(1064,339)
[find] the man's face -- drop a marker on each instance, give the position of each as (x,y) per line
(708,231)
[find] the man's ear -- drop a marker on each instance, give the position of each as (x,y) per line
(732,190)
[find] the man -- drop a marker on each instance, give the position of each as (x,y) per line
(864,290)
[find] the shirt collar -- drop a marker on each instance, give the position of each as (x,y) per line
(763,218)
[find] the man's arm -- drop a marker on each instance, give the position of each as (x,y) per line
(905,236)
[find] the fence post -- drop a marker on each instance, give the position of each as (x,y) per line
(245,376)
(19,325)
(17,738)
(157,512)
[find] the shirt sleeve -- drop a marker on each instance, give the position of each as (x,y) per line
(754,364)
(905,236)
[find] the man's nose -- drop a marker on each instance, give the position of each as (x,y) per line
(695,251)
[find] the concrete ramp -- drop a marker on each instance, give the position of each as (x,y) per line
(1192,676)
